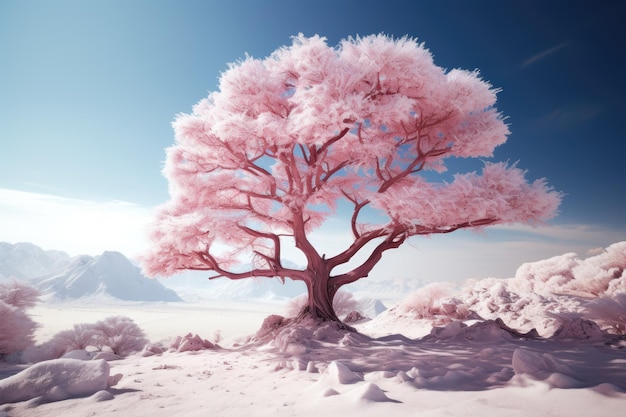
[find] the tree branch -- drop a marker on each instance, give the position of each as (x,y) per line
(356,246)
(394,240)
(212,265)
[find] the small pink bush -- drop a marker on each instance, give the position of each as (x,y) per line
(19,295)
(431,301)
(16,327)
(118,334)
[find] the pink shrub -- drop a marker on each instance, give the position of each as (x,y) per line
(120,334)
(344,303)
(16,327)
(431,301)
(19,295)
(80,336)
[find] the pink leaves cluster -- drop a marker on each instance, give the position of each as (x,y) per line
(117,334)
(500,195)
(16,327)
(285,138)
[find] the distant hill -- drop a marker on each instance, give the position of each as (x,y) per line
(60,276)
(25,261)
(111,274)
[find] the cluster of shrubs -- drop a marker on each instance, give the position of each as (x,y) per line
(117,335)
(543,295)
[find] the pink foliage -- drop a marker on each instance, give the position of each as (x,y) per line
(19,295)
(434,300)
(269,157)
(16,327)
(81,336)
(120,334)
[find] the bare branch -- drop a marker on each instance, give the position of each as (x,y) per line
(393,241)
(356,246)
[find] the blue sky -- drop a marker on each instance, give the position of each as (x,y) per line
(88,90)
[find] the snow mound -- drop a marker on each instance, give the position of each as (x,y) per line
(538,365)
(341,374)
(368,392)
(482,331)
(545,367)
(190,343)
(80,354)
(57,380)
(579,329)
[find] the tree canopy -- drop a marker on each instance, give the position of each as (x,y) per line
(285,140)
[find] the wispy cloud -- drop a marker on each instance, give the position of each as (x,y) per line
(72,225)
(568,117)
(545,54)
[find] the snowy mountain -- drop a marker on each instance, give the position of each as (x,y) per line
(58,275)
(64,277)
(25,261)
(110,274)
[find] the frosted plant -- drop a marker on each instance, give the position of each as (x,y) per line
(17,329)
(120,334)
(288,140)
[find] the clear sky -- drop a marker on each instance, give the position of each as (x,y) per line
(88,90)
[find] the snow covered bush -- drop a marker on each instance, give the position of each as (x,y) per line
(344,303)
(117,334)
(433,301)
(16,327)
(609,312)
(81,336)
(602,274)
(19,295)
(598,275)
(120,334)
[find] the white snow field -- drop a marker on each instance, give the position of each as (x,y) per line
(479,370)
(550,341)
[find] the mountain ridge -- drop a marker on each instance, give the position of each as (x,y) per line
(59,276)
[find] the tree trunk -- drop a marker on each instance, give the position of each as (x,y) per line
(320,299)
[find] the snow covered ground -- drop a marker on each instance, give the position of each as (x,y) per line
(479,370)
(548,342)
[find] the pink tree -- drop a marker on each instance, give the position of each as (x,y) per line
(266,159)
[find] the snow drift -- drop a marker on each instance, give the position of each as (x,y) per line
(57,380)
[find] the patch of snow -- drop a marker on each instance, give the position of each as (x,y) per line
(57,380)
